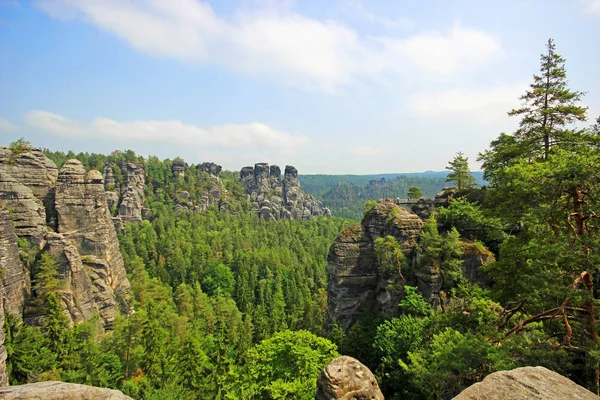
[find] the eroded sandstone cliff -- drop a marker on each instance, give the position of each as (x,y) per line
(276,198)
(65,214)
(356,281)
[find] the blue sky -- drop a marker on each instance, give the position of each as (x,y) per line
(336,86)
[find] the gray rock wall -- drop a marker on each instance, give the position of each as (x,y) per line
(355,284)
(59,391)
(275,198)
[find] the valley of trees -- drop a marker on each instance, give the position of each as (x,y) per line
(228,306)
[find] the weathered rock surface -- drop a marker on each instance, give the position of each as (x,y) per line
(210,168)
(59,391)
(132,192)
(529,383)
(14,276)
(355,282)
(275,198)
(35,171)
(178,168)
(84,219)
(345,378)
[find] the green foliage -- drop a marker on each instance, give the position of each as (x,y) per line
(19,146)
(286,366)
(471,223)
(460,172)
(47,279)
(414,192)
(414,304)
(443,250)
(451,362)
(389,256)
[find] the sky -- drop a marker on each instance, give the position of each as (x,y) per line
(329,86)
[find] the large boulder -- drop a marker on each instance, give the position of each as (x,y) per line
(529,383)
(345,378)
(59,391)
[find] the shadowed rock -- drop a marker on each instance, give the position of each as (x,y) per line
(345,378)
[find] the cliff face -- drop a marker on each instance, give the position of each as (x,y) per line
(84,219)
(275,198)
(66,215)
(356,283)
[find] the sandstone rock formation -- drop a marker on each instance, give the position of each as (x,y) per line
(529,383)
(275,198)
(67,215)
(59,391)
(15,278)
(345,378)
(355,282)
(210,168)
(132,192)
(84,219)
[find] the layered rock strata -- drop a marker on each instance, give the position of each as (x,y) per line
(276,198)
(79,234)
(84,219)
(357,282)
(346,378)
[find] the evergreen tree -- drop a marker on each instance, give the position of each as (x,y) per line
(414,192)
(548,106)
(460,172)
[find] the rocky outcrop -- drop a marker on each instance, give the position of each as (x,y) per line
(526,383)
(178,168)
(124,185)
(14,277)
(59,391)
(345,378)
(357,283)
(84,219)
(35,171)
(210,168)
(275,198)
(132,192)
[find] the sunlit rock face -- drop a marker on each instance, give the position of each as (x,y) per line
(276,198)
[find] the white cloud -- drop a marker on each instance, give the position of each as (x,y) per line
(358,10)
(481,105)
(171,133)
(6,126)
(591,7)
(284,45)
(367,151)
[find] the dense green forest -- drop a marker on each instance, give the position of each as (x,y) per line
(346,195)
(228,306)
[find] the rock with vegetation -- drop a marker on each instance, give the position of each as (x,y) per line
(275,198)
(526,383)
(346,378)
(370,263)
(84,219)
(52,390)
(13,274)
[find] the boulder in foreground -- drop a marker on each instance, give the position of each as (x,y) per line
(59,391)
(345,378)
(526,383)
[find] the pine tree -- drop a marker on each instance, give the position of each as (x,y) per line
(461,174)
(548,106)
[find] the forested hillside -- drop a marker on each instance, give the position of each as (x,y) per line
(346,195)
(223,304)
